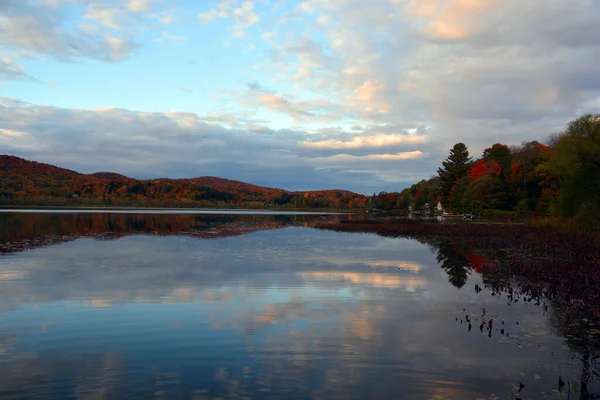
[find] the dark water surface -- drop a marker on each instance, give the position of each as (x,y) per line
(106,305)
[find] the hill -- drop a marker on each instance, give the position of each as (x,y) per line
(109,176)
(24,182)
(20,176)
(229,185)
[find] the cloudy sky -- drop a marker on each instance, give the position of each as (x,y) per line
(366,95)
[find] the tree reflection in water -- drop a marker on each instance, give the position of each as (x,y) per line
(454,262)
(569,315)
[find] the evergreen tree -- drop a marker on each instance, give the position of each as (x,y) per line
(453,169)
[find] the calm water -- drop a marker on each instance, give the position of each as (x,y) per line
(259,307)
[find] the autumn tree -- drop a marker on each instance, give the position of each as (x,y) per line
(489,187)
(526,157)
(576,162)
(501,154)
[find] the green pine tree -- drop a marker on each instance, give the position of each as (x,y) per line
(453,169)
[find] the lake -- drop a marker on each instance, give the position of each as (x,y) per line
(183,305)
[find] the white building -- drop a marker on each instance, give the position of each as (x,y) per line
(439,206)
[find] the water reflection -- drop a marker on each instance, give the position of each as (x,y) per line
(270,313)
(365,279)
(25,230)
(572,319)
(454,262)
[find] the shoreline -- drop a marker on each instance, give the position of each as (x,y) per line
(315,211)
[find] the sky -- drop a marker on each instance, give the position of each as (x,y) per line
(365,95)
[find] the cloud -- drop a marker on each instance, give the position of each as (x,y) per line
(43,30)
(207,16)
(367,90)
(12,71)
(469,70)
(278,103)
(138,6)
(398,76)
(243,15)
(312,110)
(167,19)
(344,158)
(379,140)
(105,16)
(182,144)
(166,36)
(12,133)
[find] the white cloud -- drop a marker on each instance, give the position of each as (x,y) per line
(347,158)
(324,19)
(12,133)
(247,19)
(12,71)
(307,6)
(207,16)
(165,17)
(42,30)
(119,47)
(367,90)
(138,6)
(107,17)
(243,15)
(358,142)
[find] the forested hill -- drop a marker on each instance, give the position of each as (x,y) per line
(24,182)
(109,176)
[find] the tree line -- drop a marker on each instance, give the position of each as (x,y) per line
(560,178)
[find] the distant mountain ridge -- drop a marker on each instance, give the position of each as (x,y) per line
(110,176)
(31,182)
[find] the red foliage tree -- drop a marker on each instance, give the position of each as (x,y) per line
(485,168)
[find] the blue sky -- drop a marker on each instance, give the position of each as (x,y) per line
(367,95)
